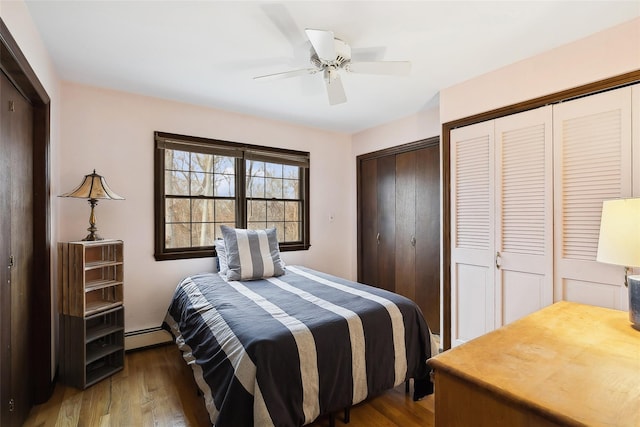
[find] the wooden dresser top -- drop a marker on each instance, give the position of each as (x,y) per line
(573,363)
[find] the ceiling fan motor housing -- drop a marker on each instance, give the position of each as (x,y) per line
(343,56)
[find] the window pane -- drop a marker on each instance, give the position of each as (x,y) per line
(177,210)
(177,236)
(201,162)
(292,211)
(256,210)
(255,168)
(203,234)
(292,232)
(202,211)
(291,189)
(255,187)
(224,164)
(274,188)
(201,184)
(275,210)
(225,211)
(273,170)
(176,183)
(176,160)
(224,185)
(291,172)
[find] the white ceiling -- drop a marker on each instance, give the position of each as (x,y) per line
(207,52)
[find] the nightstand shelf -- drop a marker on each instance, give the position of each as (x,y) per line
(91,310)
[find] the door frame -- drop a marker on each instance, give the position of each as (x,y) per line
(577,92)
(17,69)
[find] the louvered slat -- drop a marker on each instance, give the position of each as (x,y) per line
(591,173)
(472,195)
(523,185)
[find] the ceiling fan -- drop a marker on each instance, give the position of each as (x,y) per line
(331,55)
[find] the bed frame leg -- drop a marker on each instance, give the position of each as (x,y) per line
(347,415)
(407,386)
(332,420)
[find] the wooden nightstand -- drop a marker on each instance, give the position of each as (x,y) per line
(567,364)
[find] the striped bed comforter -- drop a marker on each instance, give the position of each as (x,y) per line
(284,350)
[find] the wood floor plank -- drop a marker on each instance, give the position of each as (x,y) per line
(157,388)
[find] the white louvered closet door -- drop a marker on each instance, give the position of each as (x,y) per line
(472,232)
(592,158)
(524,213)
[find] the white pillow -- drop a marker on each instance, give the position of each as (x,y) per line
(222,256)
(251,254)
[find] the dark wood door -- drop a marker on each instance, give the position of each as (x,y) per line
(16,138)
(405,224)
(376,224)
(427,293)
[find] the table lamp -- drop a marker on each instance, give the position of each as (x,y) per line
(93,187)
(619,243)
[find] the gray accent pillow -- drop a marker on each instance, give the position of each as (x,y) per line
(251,254)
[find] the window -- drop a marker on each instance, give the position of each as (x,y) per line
(201,184)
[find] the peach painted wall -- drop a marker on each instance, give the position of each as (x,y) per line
(113,132)
(604,54)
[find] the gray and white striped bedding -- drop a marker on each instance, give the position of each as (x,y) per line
(284,350)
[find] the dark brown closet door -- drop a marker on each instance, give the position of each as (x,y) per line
(368,268)
(377,219)
(406,238)
(427,293)
(16,127)
(386,217)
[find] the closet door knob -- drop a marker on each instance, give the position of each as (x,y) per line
(498,260)
(413,241)
(378,238)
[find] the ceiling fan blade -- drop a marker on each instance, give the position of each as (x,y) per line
(335,90)
(284,22)
(287,74)
(396,68)
(323,44)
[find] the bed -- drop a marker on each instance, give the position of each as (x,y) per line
(285,349)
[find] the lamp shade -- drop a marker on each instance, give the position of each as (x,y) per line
(619,241)
(93,186)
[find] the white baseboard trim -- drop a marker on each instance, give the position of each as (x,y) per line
(146,338)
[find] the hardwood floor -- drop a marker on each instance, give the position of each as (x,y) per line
(156,388)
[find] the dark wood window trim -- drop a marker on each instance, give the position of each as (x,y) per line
(15,66)
(566,95)
(241,152)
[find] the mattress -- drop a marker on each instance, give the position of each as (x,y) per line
(284,350)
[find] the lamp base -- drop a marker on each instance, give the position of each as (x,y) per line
(91,237)
(634,301)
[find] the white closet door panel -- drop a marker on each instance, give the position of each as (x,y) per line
(595,293)
(592,154)
(472,232)
(523,292)
(524,213)
(474,292)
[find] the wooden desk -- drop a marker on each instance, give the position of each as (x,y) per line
(568,364)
